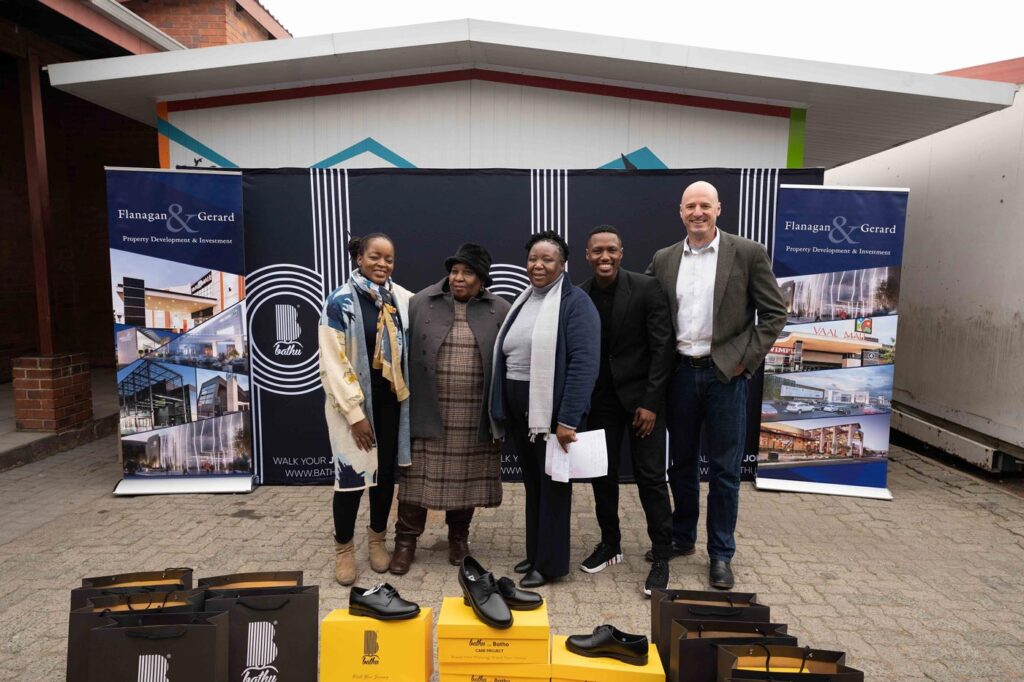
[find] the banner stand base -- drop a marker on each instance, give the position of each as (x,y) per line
(786,486)
(184,485)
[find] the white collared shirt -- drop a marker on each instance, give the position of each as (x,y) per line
(695,293)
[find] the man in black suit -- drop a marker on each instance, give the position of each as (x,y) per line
(637,359)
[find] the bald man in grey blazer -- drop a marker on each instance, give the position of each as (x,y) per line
(716,282)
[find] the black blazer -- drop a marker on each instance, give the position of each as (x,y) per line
(642,352)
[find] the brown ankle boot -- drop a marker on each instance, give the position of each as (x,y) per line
(458,534)
(379,557)
(408,527)
(403,556)
(344,562)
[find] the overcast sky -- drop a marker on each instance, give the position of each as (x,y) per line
(927,37)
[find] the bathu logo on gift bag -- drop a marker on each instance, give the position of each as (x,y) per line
(370,648)
(153,668)
(288,330)
(260,653)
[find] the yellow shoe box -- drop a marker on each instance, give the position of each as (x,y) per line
(358,648)
(463,638)
(568,667)
(495,672)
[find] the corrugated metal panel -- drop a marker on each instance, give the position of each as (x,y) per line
(961,329)
(476,124)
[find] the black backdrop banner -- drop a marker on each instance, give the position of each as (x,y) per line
(299,220)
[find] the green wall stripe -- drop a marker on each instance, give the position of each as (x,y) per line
(795,152)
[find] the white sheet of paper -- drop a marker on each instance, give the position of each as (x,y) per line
(587,457)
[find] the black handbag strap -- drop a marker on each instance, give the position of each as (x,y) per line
(256,607)
(808,654)
(180,632)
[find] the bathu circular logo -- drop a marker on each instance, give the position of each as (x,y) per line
(284,315)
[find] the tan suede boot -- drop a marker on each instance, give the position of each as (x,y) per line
(379,557)
(344,562)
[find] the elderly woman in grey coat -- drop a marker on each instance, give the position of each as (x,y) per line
(456,462)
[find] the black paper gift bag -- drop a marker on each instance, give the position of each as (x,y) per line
(271,635)
(97,611)
(694,644)
(127,583)
(160,648)
(781,663)
(699,605)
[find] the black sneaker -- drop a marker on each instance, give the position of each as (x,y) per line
(657,578)
(603,555)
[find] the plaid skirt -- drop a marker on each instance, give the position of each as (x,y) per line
(456,471)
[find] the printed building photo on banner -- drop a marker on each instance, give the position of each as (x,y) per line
(827,397)
(841,295)
(177,294)
(220,445)
(848,450)
(219,344)
(845,344)
(829,393)
(154,395)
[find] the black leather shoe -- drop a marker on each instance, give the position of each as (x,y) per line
(607,642)
(523,566)
(480,591)
(533,579)
(518,600)
(720,575)
(677,550)
(381,602)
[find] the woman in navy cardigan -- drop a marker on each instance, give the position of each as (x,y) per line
(546,361)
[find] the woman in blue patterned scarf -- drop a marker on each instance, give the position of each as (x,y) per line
(363,368)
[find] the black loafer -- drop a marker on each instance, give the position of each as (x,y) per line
(381,602)
(607,642)
(720,575)
(533,579)
(524,566)
(480,592)
(518,600)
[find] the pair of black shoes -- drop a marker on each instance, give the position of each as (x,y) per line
(608,642)
(493,600)
(381,602)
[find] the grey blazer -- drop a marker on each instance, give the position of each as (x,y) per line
(744,284)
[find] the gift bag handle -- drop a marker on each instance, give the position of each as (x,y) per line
(176,568)
(181,632)
(767,660)
(167,595)
(254,607)
(726,613)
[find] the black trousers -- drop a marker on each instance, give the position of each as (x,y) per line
(548,503)
(648,455)
(386,415)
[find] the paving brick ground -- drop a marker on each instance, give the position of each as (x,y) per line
(928,587)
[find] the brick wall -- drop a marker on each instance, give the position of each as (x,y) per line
(200,23)
(82,138)
(17,289)
(52,393)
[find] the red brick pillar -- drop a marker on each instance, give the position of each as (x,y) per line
(52,392)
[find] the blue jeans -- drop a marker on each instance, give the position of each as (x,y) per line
(699,404)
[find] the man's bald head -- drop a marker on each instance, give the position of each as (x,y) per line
(701,186)
(699,210)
